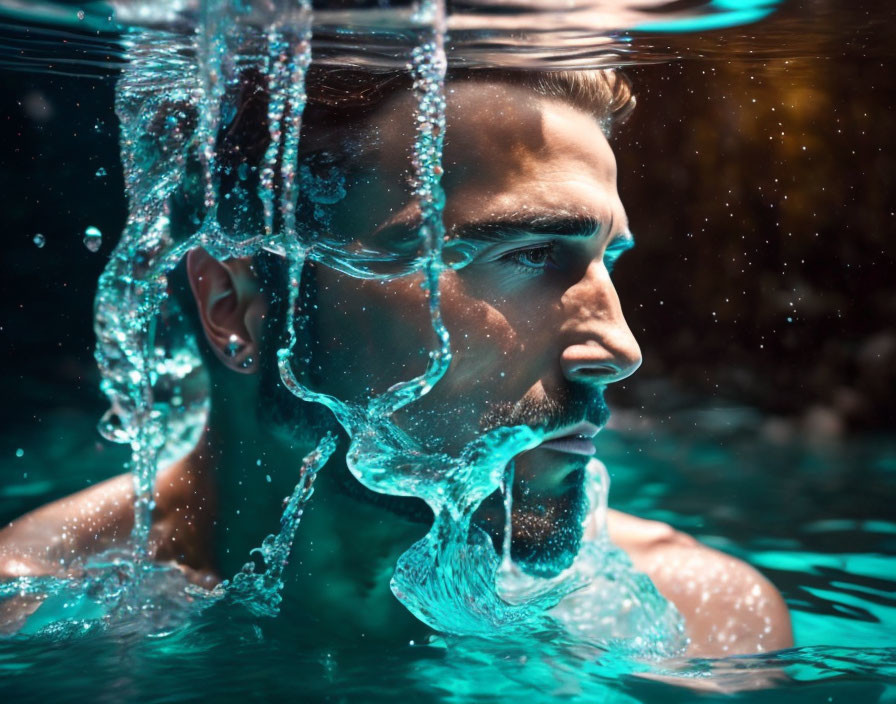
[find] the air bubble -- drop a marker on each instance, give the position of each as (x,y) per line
(93,239)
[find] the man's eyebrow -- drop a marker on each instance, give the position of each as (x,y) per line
(574,226)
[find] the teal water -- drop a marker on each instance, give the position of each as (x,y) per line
(826,537)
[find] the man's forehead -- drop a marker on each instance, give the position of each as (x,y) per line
(509,153)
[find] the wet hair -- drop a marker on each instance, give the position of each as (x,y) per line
(339,104)
(341,96)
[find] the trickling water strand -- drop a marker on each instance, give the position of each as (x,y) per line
(289,52)
(277,75)
(292,121)
(428,67)
(507,492)
(261,591)
(216,23)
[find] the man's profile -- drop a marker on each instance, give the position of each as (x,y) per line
(534,225)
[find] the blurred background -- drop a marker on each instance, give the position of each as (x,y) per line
(762,192)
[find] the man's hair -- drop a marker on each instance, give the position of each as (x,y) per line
(337,96)
(340,101)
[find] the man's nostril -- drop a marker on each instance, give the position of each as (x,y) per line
(595,372)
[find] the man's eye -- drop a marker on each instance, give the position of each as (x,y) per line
(531,258)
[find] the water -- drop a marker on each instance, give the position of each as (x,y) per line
(447,579)
(836,575)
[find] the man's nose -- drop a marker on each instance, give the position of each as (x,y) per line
(599,346)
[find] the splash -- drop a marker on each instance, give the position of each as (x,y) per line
(188,189)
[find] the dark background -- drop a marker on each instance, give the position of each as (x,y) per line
(761,192)
(758,176)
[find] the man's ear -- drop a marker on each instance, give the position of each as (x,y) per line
(231,307)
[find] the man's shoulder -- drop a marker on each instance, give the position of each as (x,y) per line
(38,542)
(728,606)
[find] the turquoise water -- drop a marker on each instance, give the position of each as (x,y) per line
(826,538)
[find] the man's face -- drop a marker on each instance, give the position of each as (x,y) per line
(533,222)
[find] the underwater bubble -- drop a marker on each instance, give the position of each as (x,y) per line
(93,239)
(39,240)
(20,452)
(100,172)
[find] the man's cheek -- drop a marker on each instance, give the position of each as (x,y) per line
(485,347)
(377,333)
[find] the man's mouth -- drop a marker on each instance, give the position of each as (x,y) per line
(574,440)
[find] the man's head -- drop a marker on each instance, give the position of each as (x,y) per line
(534,224)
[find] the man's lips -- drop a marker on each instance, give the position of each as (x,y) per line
(574,440)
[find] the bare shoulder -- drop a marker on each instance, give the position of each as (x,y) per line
(39,542)
(728,606)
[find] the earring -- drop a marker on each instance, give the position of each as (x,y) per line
(234,346)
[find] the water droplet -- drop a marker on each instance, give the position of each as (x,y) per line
(267,478)
(93,239)
(100,172)
(80,14)
(39,240)
(20,452)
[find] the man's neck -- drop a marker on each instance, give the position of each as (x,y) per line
(348,541)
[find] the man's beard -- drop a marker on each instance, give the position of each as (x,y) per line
(546,531)
(547,522)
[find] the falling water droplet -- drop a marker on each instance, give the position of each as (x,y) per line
(20,452)
(93,239)
(80,14)
(100,172)
(39,240)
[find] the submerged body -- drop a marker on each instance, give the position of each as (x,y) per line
(534,224)
(340,580)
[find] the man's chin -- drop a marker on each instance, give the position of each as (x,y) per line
(547,526)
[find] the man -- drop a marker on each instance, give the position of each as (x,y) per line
(534,224)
